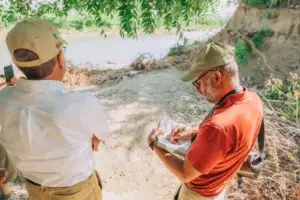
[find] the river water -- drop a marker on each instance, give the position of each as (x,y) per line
(98,51)
(101,52)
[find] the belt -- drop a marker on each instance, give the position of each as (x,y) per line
(33,183)
(98,178)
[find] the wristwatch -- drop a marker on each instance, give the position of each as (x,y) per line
(154,142)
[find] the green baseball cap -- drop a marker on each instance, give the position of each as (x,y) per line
(212,55)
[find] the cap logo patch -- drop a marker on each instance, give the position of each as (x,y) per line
(58,41)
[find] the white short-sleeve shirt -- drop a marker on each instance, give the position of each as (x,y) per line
(48,131)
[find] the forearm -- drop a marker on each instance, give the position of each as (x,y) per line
(172,162)
(2,85)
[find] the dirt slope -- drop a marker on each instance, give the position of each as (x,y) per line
(281,49)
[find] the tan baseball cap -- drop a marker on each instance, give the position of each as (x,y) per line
(212,55)
(36,35)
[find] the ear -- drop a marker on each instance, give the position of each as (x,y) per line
(61,60)
(217,77)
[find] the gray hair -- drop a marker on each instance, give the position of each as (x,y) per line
(231,72)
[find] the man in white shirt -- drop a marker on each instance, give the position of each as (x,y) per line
(48,132)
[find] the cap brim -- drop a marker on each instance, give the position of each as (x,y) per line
(192,74)
(188,77)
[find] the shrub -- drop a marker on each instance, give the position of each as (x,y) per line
(268,15)
(175,50)
(77,24)
(259,36)
(241,52)
(285,96)
(255,2)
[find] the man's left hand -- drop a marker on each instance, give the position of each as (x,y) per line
(3,176)
(154,135)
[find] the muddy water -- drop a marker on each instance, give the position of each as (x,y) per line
(100,51)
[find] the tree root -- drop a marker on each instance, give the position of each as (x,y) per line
(230,31)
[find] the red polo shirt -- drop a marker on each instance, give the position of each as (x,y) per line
(224,141)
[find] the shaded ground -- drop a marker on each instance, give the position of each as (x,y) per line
(135,106)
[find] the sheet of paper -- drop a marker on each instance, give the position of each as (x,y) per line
(164,141)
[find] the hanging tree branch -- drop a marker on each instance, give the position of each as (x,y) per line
(145,15)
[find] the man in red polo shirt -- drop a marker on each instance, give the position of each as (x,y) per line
(225,137)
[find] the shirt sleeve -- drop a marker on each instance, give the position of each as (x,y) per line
(208,149)
(94,118)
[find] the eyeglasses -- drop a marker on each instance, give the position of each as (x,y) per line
(196,82)
(64,49)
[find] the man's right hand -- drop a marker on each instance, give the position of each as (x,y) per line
(177,133)
(3,175)
(13,81)
(95,143)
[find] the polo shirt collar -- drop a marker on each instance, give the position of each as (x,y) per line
(235,98)
(40,85)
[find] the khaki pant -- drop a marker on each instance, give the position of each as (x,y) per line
(186,193)
(7,163)
(85,190)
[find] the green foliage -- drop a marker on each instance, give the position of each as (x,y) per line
(270,3)
(255,2)
(131,15)
(147,16)
(128,16)
(176,50)
(260,35)
(268,15)
(242,49)
(285,95)
(77,24)
(211,21)
(8,17)
(196,42)
(241,52)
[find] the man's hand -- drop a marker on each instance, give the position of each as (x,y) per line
(3,176)
(95,143)
(154,135)
(13,81)
(177,133)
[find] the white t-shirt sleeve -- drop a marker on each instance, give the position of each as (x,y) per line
(94,118)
